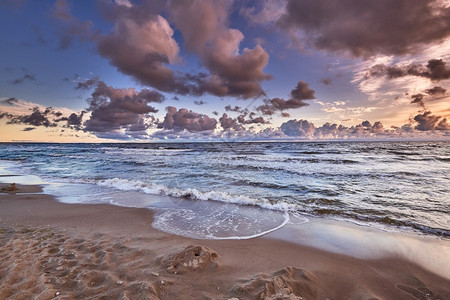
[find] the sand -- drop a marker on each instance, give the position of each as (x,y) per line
(51,250)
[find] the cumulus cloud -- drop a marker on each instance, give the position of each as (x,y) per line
(183,119)
(369,28)
(298,94)
(205,32)
(142,45)
(143,50)
(114,110)
(229,123)
(427,121)
(298,128)
(73,121)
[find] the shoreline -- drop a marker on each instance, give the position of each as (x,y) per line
(95,250)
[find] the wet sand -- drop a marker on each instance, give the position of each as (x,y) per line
(51,250)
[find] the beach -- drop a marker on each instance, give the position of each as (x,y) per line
(52,250)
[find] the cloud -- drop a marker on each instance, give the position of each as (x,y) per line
(432,92)
(269,13)
(30,77)
(427,121)
(435,70)
(200,102)
(418,98)
(203,25)
(35,118)
(69,26)
(87,84)
(183,119)
(10,101)
(229,123)
(74,120)
(142,45)
(142,48)
(329,130)
(234,109)
(115,110)
(326,81)
(298,94)
(369,28)
(252,119)
(437,90)
(298,128)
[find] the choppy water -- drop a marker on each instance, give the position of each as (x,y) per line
(237,190)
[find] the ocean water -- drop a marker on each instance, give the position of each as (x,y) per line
(242,190)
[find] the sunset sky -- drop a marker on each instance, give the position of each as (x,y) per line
(123,70)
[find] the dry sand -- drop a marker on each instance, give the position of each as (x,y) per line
(51,250)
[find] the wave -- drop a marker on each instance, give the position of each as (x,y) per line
(194,194)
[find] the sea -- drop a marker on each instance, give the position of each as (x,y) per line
(240,190)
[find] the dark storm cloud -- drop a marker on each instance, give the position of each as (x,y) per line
(427,121)
(183,119)
(365,28)
(114,109)
(298,94)
(435,70)
(437,90)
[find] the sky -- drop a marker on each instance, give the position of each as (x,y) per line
(204,70)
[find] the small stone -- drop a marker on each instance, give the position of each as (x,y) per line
(120,282)
(155,274)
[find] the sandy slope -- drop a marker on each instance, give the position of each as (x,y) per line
(53,250)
